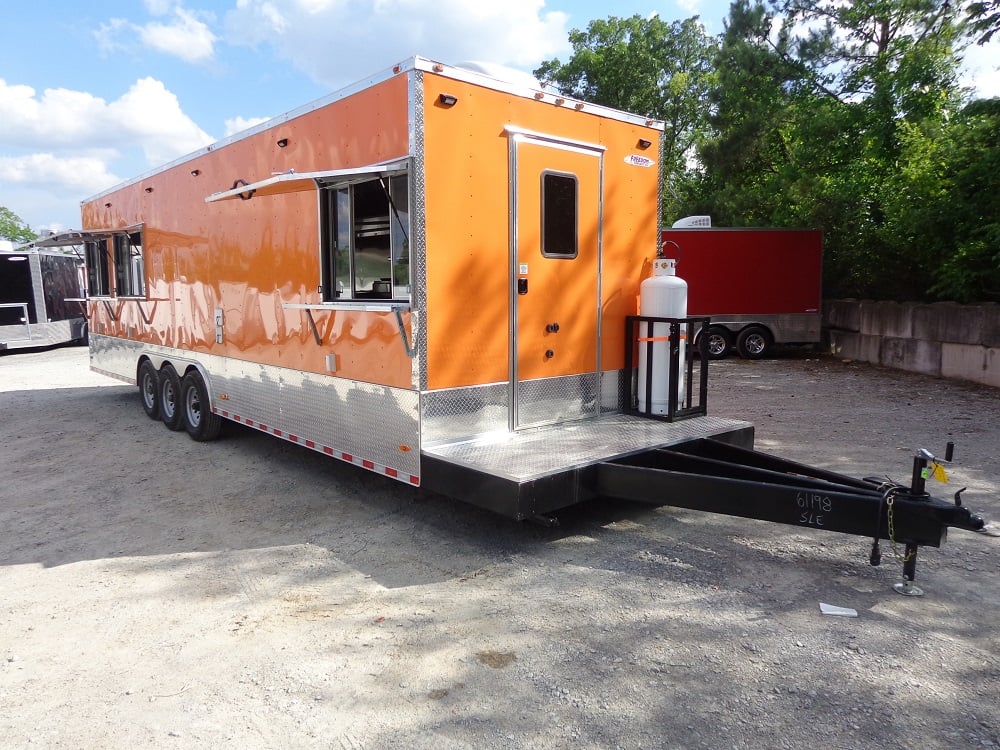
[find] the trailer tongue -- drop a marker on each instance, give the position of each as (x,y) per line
(712,476)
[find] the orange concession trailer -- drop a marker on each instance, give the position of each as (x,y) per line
(426,274)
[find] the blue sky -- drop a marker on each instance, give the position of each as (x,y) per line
(92,94)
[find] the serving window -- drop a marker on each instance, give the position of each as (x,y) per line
(98,267)
(130,267)
(365,238)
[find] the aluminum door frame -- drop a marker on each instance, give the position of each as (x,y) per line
(516,137)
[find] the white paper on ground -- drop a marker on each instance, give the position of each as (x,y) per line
(830,609)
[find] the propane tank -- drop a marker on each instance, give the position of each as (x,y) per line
(662,295)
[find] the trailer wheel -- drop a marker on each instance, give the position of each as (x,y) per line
(170,397)
(754,342)
(149,389)
(720,341)
(201,423)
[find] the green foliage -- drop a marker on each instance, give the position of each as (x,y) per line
(834,127)
(647,66)
(13,229)
(984,19)
(841,116)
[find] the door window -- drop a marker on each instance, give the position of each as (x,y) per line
(559,215)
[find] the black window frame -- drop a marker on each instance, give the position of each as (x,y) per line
(130,276)
(98,262)
(557,214)
(352,213)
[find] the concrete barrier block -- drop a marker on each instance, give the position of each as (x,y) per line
(895,319)
(961,324)
(843,314)
(991,325)
(980,364)
(911,354)
(856,346)
(926,322)
(885,319)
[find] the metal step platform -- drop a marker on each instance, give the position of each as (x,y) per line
(530,473)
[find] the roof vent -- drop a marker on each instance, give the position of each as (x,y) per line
(693,222)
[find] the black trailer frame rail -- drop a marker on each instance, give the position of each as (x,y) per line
(708,475)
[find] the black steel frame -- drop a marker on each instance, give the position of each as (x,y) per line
(716,477)
(639,332)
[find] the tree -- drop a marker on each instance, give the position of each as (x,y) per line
(816,99)
(649,67)
(984,19)
(13,229)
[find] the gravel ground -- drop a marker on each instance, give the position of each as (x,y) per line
(160,593)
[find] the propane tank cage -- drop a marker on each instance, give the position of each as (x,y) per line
(639,332)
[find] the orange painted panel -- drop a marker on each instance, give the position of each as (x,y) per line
(468,208)
(251,257)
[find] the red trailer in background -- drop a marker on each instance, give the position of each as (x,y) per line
(760,287)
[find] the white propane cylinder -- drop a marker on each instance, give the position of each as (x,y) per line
(662,295)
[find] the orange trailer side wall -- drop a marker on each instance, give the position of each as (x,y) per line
(468,233)
(250,257)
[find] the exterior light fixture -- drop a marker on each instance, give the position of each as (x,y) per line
(447,100)
(195,172)
(643,143)
(282,143)
(149,190)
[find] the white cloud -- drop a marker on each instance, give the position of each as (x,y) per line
(77,175)
(150,116)
(61,145)
(690,6)
(147,116)
(186,35)
(238,124)
(336,42)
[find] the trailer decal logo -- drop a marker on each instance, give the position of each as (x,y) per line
(638,160)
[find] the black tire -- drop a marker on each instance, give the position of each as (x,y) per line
(754,342)
(720,341)
(201,423)
(149,389)
(170,398)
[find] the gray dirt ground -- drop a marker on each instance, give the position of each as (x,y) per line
(159,593)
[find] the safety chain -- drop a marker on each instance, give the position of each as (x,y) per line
(890,497)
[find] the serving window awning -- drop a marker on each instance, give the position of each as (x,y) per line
(70,238)
(294,182)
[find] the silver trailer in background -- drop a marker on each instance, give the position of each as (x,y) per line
(42,293)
